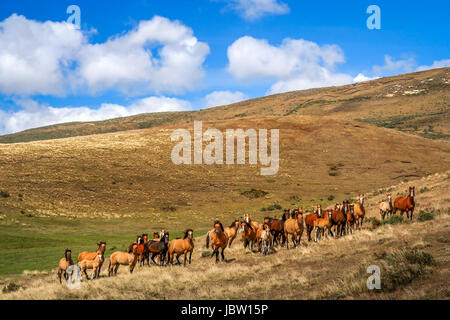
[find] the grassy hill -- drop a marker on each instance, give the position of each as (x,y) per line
(415,103)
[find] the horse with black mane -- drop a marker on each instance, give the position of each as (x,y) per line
(158,248)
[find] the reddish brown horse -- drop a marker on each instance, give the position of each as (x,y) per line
(232,231)
(405,204)
(218,239)
(276,228)
(248,232)
(310,219)
(339,219)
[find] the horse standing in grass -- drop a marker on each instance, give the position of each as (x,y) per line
(276,228)
(294,227)
(219,240)
(339,219)
(360,212)
(85,255)
(265,239)
(248,232)
(386,207)
(350,219)
(123,258)
(94,264)
(232,231)
(405,204)
(182,247)
(65,263)
(158,247)
(323,225)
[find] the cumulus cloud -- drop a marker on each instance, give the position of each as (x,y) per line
(35,56)
(255,9)
(32,114)
(297,64)
(126,61)
(49,58)
(395,66)
(436,64)
(222,98)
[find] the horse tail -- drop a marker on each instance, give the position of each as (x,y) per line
(207,240)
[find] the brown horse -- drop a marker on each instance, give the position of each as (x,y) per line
(350,219)
(294,227)
(64,263)
(339,218)
(276,228)
(158,247)
(123,258)
(323,225)
(86,255)
(232,231)
(249,234)
(182,247)
(360,212)
(218,239)
(405,204)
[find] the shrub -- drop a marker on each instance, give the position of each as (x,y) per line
(5,194)
(424,189)
(11,287)
(331,198)
(254,193)
(425,215)
(402,266)
(375,223)
(396,219)
(168,208)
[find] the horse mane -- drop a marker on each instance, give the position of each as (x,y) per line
(232,224)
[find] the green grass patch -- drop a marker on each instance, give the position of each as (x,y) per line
(254,193)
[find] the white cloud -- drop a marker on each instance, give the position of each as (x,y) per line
(361,78)
(436,64)
(255,9)
(296,64)
(34,115)
(39,58)
(126,62)
(35,56)
(395,66)
(222,98)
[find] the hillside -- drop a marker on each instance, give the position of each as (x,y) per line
(415,103)
(131,172)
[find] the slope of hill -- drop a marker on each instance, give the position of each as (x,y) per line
(415,103)
(131,172)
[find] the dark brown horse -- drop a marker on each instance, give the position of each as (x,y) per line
(339,219)
(158,248)
(405,204)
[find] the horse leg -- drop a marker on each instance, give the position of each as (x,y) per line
(190,256)
(217,255)
(223,256)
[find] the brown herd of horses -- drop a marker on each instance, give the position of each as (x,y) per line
(337,221)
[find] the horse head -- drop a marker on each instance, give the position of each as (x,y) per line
(218,227)
(189,234)
(68,254)
(101,246)
(165,238)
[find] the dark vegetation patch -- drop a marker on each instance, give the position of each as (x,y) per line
(254,193)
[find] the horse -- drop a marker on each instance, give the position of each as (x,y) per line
(294,227)
(276,228)
(232,231)
(265,239)
(182,247)
(405,204)
(123,258)
(386,207)
(64,263)
(323,225)
(310,218)
(339,218)
(218,240)
(94,264)
(360,212)
(350,219)
(248,232)
(158,247)
(85,255)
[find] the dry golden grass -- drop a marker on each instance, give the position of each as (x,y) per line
(331,269)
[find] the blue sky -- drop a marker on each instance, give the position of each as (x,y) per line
(199,53)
